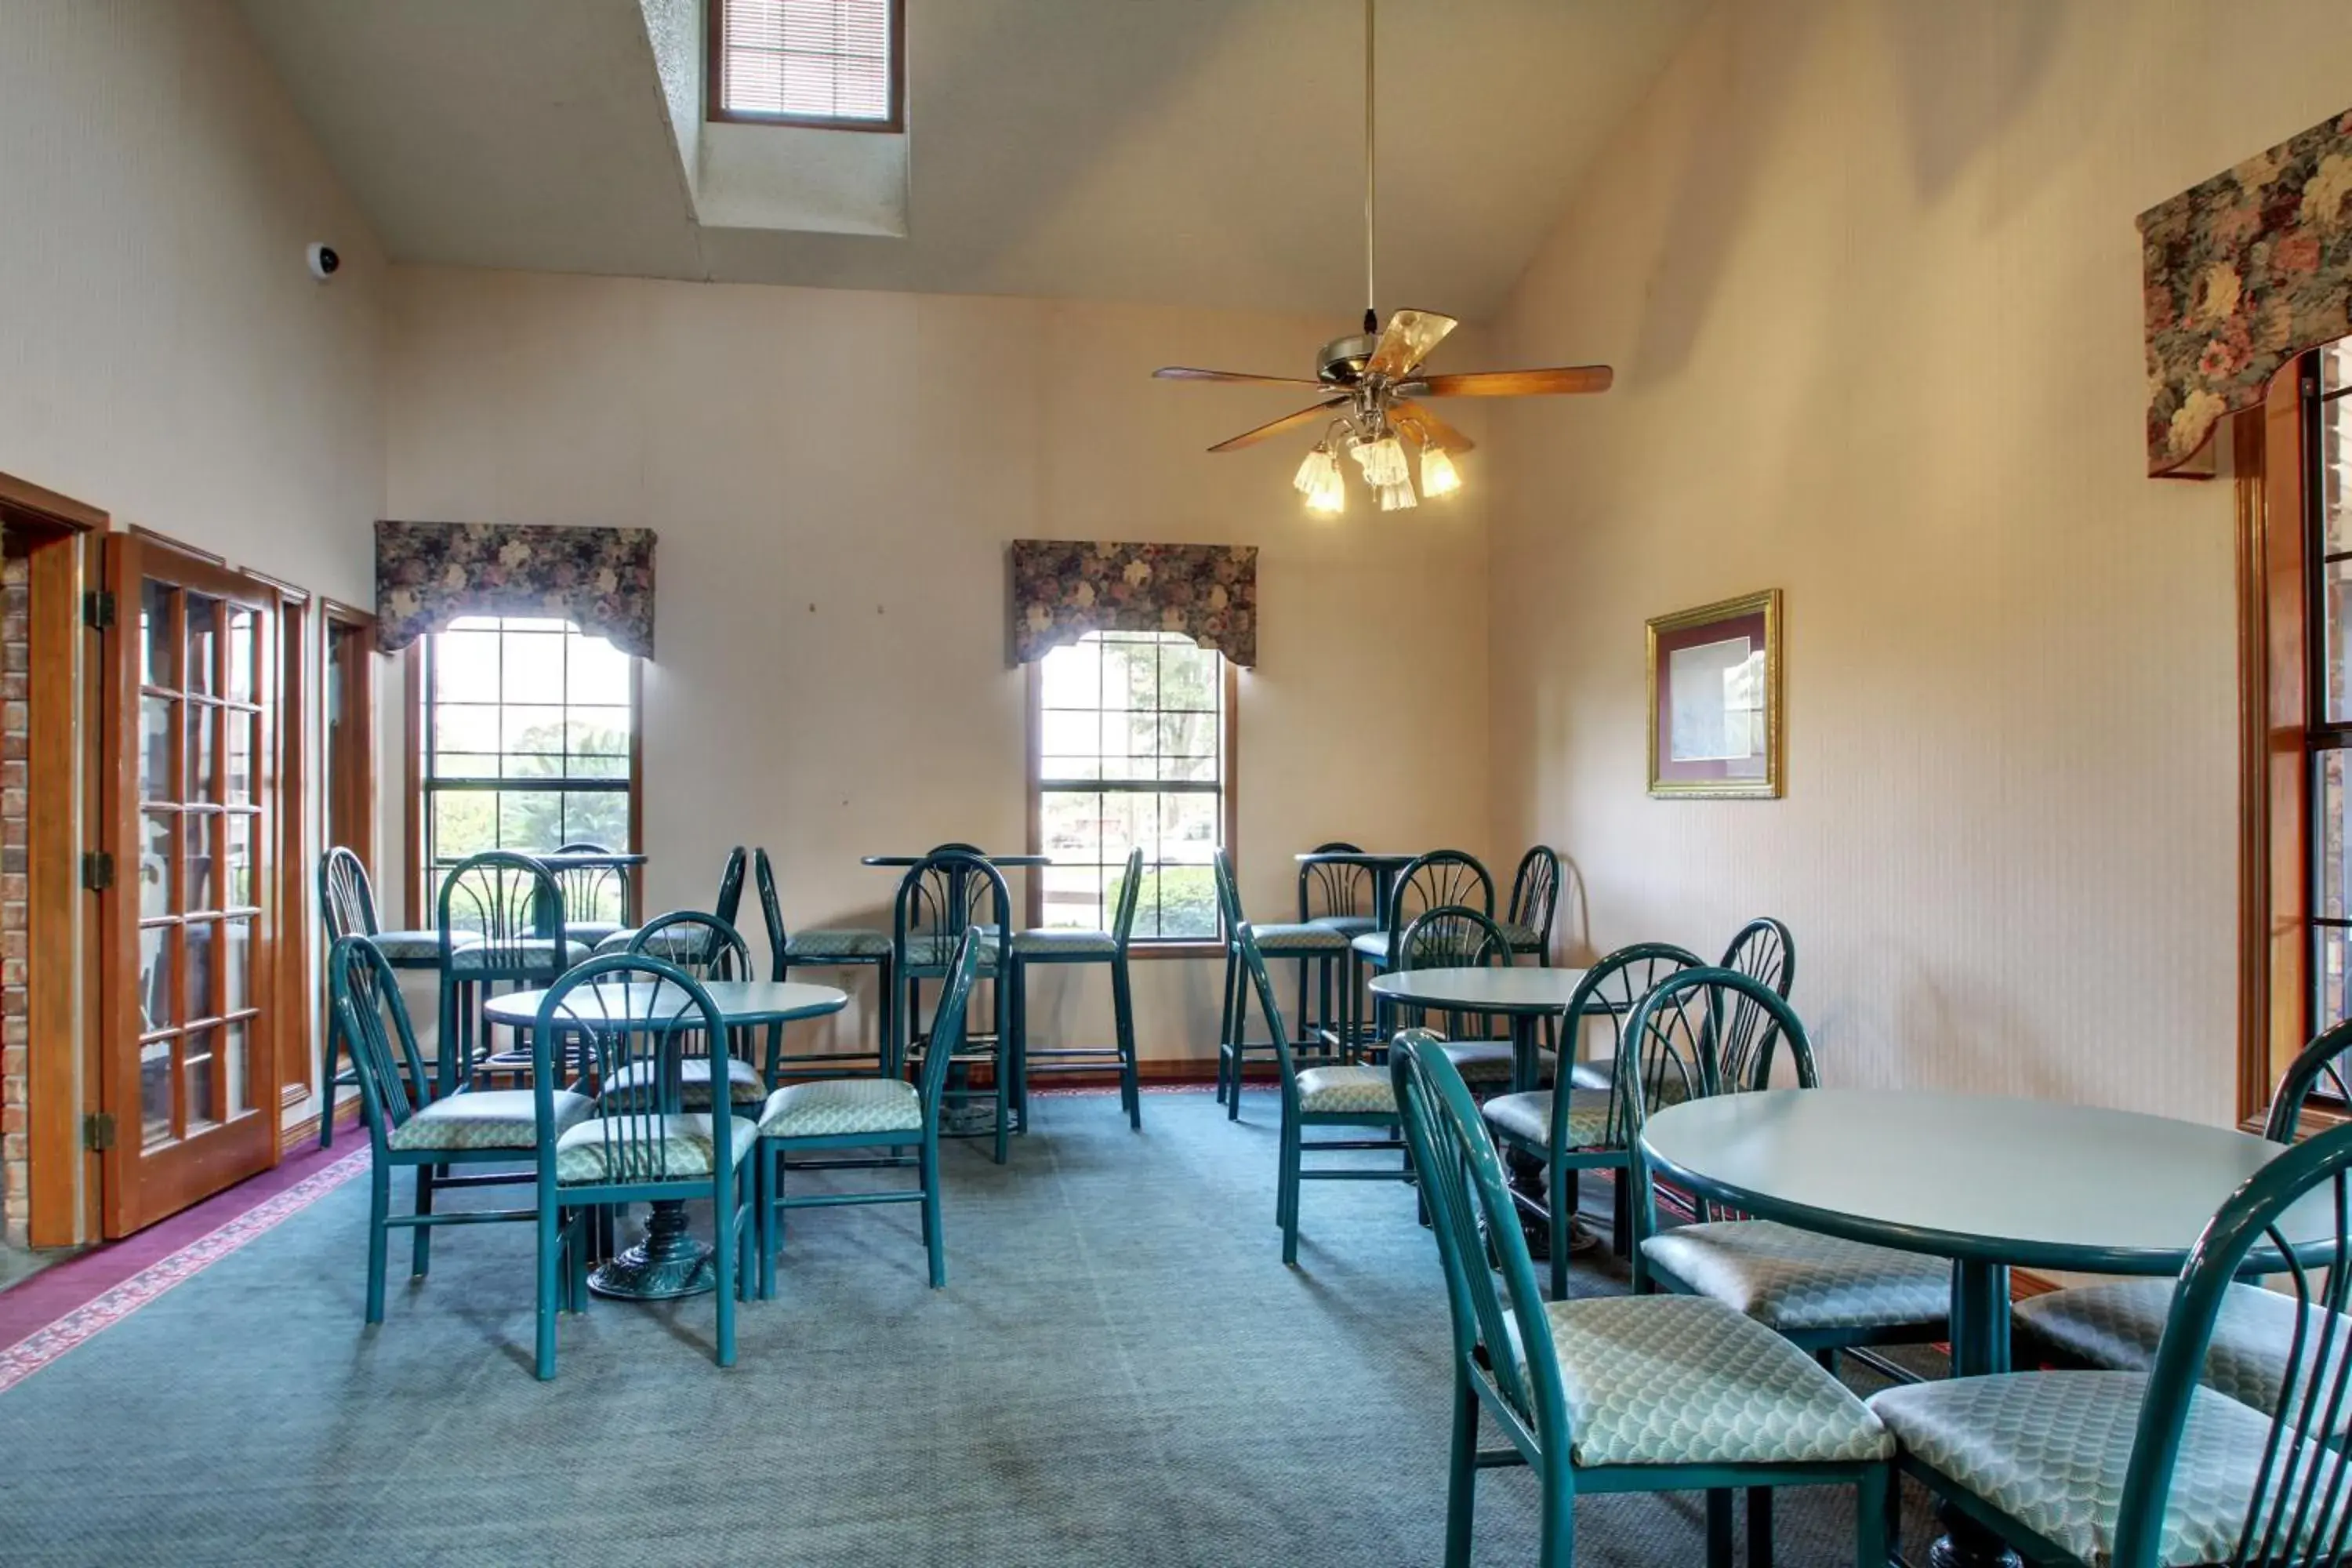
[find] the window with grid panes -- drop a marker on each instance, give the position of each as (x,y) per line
(826,63)
(525,744)
(2329,736)
(1131,750)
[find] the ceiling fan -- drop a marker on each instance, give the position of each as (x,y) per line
(1372,381)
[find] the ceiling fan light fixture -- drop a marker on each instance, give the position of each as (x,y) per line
(1382,462)
(1398,497)
(1439,477)
(1313,470)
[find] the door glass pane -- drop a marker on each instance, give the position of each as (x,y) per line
(240,653)
(2330,1005)
(236,1068)
(238,855)
(203,725)
(2331,879)
(158,778)
(198,936)
(155,979)
(204,631)
(198,829)
(155,863)
(156,665)
(240,728)
(237,965)
(155,1093)
(197,1076)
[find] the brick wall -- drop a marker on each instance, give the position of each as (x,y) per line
(15,668)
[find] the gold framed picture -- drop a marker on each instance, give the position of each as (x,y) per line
(1715,700)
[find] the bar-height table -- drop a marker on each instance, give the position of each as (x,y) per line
(1989,1183)
(1525,995)
(668,1262)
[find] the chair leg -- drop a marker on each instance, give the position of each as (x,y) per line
(767,1154)
(547,1259)
(420,1246)
(1017,974)
(1291,1154)
(1003,1070)
(1874,1517)
(935,1233)
(1620,1211)
(327,1103)
(1229,1082)
(1556,1545)
(1461,1475)
(726,1193)
(379,1237)
(1557,1220)
(1719,1527)
(1760,1527)
(1122,1009)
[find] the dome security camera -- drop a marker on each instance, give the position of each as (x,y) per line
(324,261)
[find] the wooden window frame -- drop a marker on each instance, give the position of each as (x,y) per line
(350,792)
(422,903)
(1228,806)
(714,101)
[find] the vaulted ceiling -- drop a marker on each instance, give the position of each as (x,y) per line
(1194,151)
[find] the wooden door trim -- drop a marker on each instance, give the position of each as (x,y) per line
(360,786)
(62,1044)
(292,1043)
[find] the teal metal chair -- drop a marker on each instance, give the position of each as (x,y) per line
(1062,945)
(1535,901)
(428,1136)
(1580,1130)
(500,922)
(832,947)
(1766,954)
(1339,1095)
(1613,1393)
(1342,896)
(708,948)
(1455,936)
(2153,1469)
(1307,942)
(1722,1030)
(868,1112)
(943,896)
(2118,1324)
(729,899)
(640,1145)
(598,900)
(1442,878)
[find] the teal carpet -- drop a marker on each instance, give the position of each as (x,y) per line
(1121,1372)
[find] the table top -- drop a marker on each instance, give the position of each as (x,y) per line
(1353,857)
(1520,988)
(2025,1182)
(739,1002)
(614,858)
(902,861)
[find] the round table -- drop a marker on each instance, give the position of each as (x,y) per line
(1524,995)
(1987,1182)
(900,862)
(668,1262)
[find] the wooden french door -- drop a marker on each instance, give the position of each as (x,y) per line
(189,1076)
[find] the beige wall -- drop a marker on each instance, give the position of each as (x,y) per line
(834,476)
(1869,276)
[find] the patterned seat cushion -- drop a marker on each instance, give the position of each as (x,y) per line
(1299,941)
(2117,1325)
(2050,1449)
(1592,1075)
(487,1118)
(1528,1117)
(1484,1062)
(1347,925)
(744,1085)
(1063,944)
(685,1147)
(934,952)
(417,946)
(1522,937)
(1371,945)
(848,941)
(1684,1379)
(591,933)
(1334,1090)
(526,952)
(833,1105)
(1792,1280)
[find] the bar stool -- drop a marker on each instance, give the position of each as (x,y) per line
(1313,943)
(1063,945)
(942,896)
(1440,879)
(347,903)
(512,908)
(838,947)
(729,899)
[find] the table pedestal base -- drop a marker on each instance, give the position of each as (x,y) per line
(1968,1545)
(1979,1347)
(669,1263)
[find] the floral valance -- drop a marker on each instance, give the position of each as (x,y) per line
(1063,589)
(429,574)
(2243,273)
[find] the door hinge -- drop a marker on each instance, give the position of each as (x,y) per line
(97,610)
(98,1130)
(98,870)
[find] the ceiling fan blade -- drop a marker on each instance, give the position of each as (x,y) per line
(1426,428)
(1406,340)
(1186,373)
(1516,382)
(1276,427)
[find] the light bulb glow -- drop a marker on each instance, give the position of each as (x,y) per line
(1319,470)
(1398,497)
(1330,499)
(1438,475)
(1383,461)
